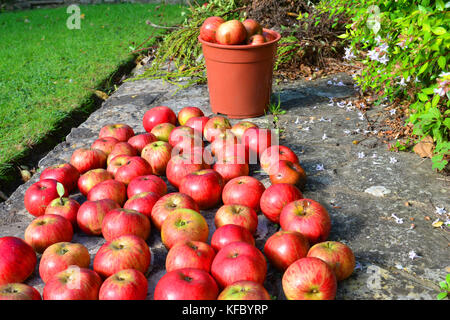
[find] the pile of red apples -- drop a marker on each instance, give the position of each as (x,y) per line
(123,179)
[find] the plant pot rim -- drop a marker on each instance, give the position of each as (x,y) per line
(243,46)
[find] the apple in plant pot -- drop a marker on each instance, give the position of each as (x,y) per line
(46,230)
(64,173)
(198,124)
(309,279)
(139,141)
(273,154)
(180,165)
(142,202)
(237,214)
(190,254)
(215,126)
(337,255)
(105,144)
(288,172)
(245,190)
(133,168)
(239,128)
(59,256)
(253,27)
(18,291)
(276,197)
(119,222)
(308,217)
(157,115)
(125,252)
(121,148)
(229,233)
(116,162)
(204,186)
(162,131)
(244,290)
(187,113)
(147,183)
(256,39)
(18,260)
(238,261)
(91,178)
(120,131)
(209,28)
(169,203)
(64,207)
(284,247)
(73,283)
(91,214)
(186,284)
(109,189)
(127,284)
(257,140)
(231,32)
(157,155)
(183,224)
(87,159)
(39,195)
(230,168)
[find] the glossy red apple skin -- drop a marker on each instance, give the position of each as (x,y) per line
(276,197)
(139,141)
(39,195)
(46,230)
(308,217)
(186,284)
(239,261)
(64,173)
(229,233)
(183,224)
(231,168)
(143,203)
(285,247)
(209,28)
(337,255)
(87,159)
(239,128)
(288,172)
(73,283)
(133,168)
(237,150)
(59,256)
(18,291)
(275,153)
(119,222)
(127,284)
(215,126)
(181,165)
(162,131)
(179,134)
(245,190)
(309,279)
(198,124)
(18,260)
(187,113)
(91,178)
(116,162)
(204,186)
(121,148)
(253,27)
(120,131)
(157,115)
(157,154)
(256,140)
(64,207)
(222,141)
(188,145)
(105,144)
(91,214)
(125,252)
(147,183)
(256,39)
(231,32)
(237,214)
(190,254)
(169,203)
(109,189)
(244,290)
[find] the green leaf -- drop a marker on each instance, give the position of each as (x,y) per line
(439,31)
(435,101)
(60,189)
(440,5)
(447,278)
(423,97)
(343,36)
(441,296)
(441,62)
(423,68)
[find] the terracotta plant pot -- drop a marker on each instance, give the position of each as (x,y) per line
(240,76)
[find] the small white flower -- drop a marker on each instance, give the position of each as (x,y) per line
(361,155)
(392,111)
(412,255)
(305,129)
(447,222)
(349,54)
(384,47)
(403,82)
(399,266)
(340,84)
(384,59)
(439,91)
(441,210)
(346,131)
(341,104)
(324,136)
(329,82)
(319,167)
(361,116)
(392,160)
(374,156)
(397,219)
(357,130)
(297,121)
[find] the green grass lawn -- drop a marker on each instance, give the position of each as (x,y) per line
(48,70)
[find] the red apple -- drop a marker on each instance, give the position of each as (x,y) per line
(157,155)
(308,217)
(244,290)
(181,165)
(252,27)
(209,28)
(284,247)
(338,256)
(109,189)
(276,197)
(127,284)
(147,183)
(87,159)
(157,115)
(39,195)
(181,133)
(119,222)
(91,178)
(273,154)
(105,144)
(141,140)
(309,279)
(183,224)
(188,145)
(268,36)
(186,284)
(125,252)
(121,148)
(231,32)
(162,131)
(18,291)
(288,172)
(198,124)
(245,190)
(18,260)
(256,140)
(120,131)
(116,162)
(46,230)
(222,141)
(190,254)
(237,150)
(187,113)
(169,203)
(91,213)
(215,126)
(142,202)
(59,256)
(256,39)
(229,233)
(65,173)
(133,168)
(204,186)
(64,207)
(239,128)
(237,214)
(238,261)
(230,168)
(73,283)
